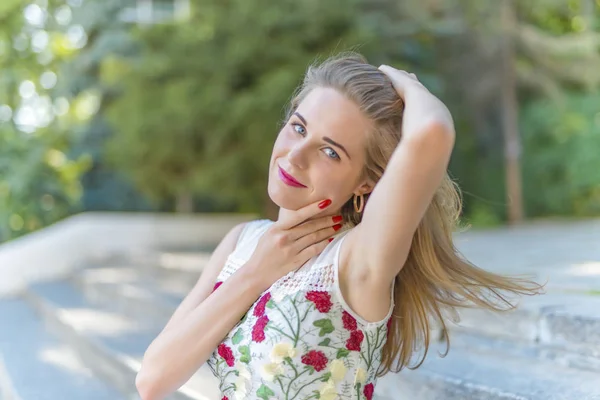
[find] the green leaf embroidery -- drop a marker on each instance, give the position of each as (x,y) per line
(325,342)
(237,337)
(326,377)
(245,352)
(325,325)
(270,304)
(342,353)
(264,392)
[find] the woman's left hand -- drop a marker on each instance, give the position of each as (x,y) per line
(421,107)
(402,81)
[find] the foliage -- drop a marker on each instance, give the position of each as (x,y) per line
(90,85)
(200,110)
(561,164)
(39,183)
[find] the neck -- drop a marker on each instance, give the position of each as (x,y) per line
(286,213)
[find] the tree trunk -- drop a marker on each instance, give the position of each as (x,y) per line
(184,203)
(510,126)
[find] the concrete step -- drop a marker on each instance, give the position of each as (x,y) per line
(557,354)
(108,341)
(562,322)
(174,281)
(192,261)
(133,292)
(36,365)
(468,374)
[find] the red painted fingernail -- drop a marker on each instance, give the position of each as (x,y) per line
(337,227)
(337,218)
(324,203)
(330,240)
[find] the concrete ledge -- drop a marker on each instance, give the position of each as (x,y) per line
(559,321)
(54,252)
(118,368)
(7,391)
(427,385)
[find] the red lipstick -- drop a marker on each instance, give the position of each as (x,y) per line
(288,179)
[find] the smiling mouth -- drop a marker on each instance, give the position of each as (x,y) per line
(288,179)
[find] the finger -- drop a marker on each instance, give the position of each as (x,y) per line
(304,213)
(311,251)
(309,227)
(313,238)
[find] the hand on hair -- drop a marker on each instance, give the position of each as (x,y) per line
(402,80)
(424,113)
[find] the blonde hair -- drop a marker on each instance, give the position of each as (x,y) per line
(435,280)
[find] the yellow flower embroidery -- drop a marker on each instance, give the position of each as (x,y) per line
(361,376)
(270,370)
(338,370)
(281,351)
(243,370)
(328,391)
(242,383)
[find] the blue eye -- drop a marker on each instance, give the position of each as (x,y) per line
(300,129)
(296,126)
(335,155)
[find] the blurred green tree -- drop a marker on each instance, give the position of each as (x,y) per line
(39,183)
(107,25)
(200,109)
(562,167)
(459,44)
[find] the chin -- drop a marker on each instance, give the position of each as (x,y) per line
(285,196)
(278,195)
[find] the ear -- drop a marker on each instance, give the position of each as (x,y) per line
(365,188)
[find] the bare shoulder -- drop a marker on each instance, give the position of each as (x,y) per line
(366,294)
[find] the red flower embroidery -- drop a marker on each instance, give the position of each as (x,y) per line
(349,321)
(389,325)
(225,398)
(368,391)
(315,358)
(259,310)
(217,285)
(322,300)
(258,331)
(227,354)
(354,341)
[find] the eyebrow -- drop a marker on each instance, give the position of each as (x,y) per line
(325,138)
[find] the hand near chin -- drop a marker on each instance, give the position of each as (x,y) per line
(291,241)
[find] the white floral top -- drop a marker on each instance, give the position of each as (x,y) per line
(300,340)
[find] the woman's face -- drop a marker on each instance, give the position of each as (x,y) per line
(322,146)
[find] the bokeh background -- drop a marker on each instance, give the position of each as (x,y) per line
(173,105)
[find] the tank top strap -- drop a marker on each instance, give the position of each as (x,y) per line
(248,240)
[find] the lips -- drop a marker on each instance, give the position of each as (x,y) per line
(288,179)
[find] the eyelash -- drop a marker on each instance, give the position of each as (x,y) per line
(295,124)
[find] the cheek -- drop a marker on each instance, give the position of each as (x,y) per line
(333,181)
(282,143)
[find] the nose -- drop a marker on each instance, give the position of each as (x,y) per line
(298,156)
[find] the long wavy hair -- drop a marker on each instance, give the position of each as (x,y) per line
(435,280)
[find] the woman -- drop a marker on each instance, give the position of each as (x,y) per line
(324,311)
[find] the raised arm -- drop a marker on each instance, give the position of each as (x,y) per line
(412,176)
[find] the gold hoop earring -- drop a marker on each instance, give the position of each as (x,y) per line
(362,203)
